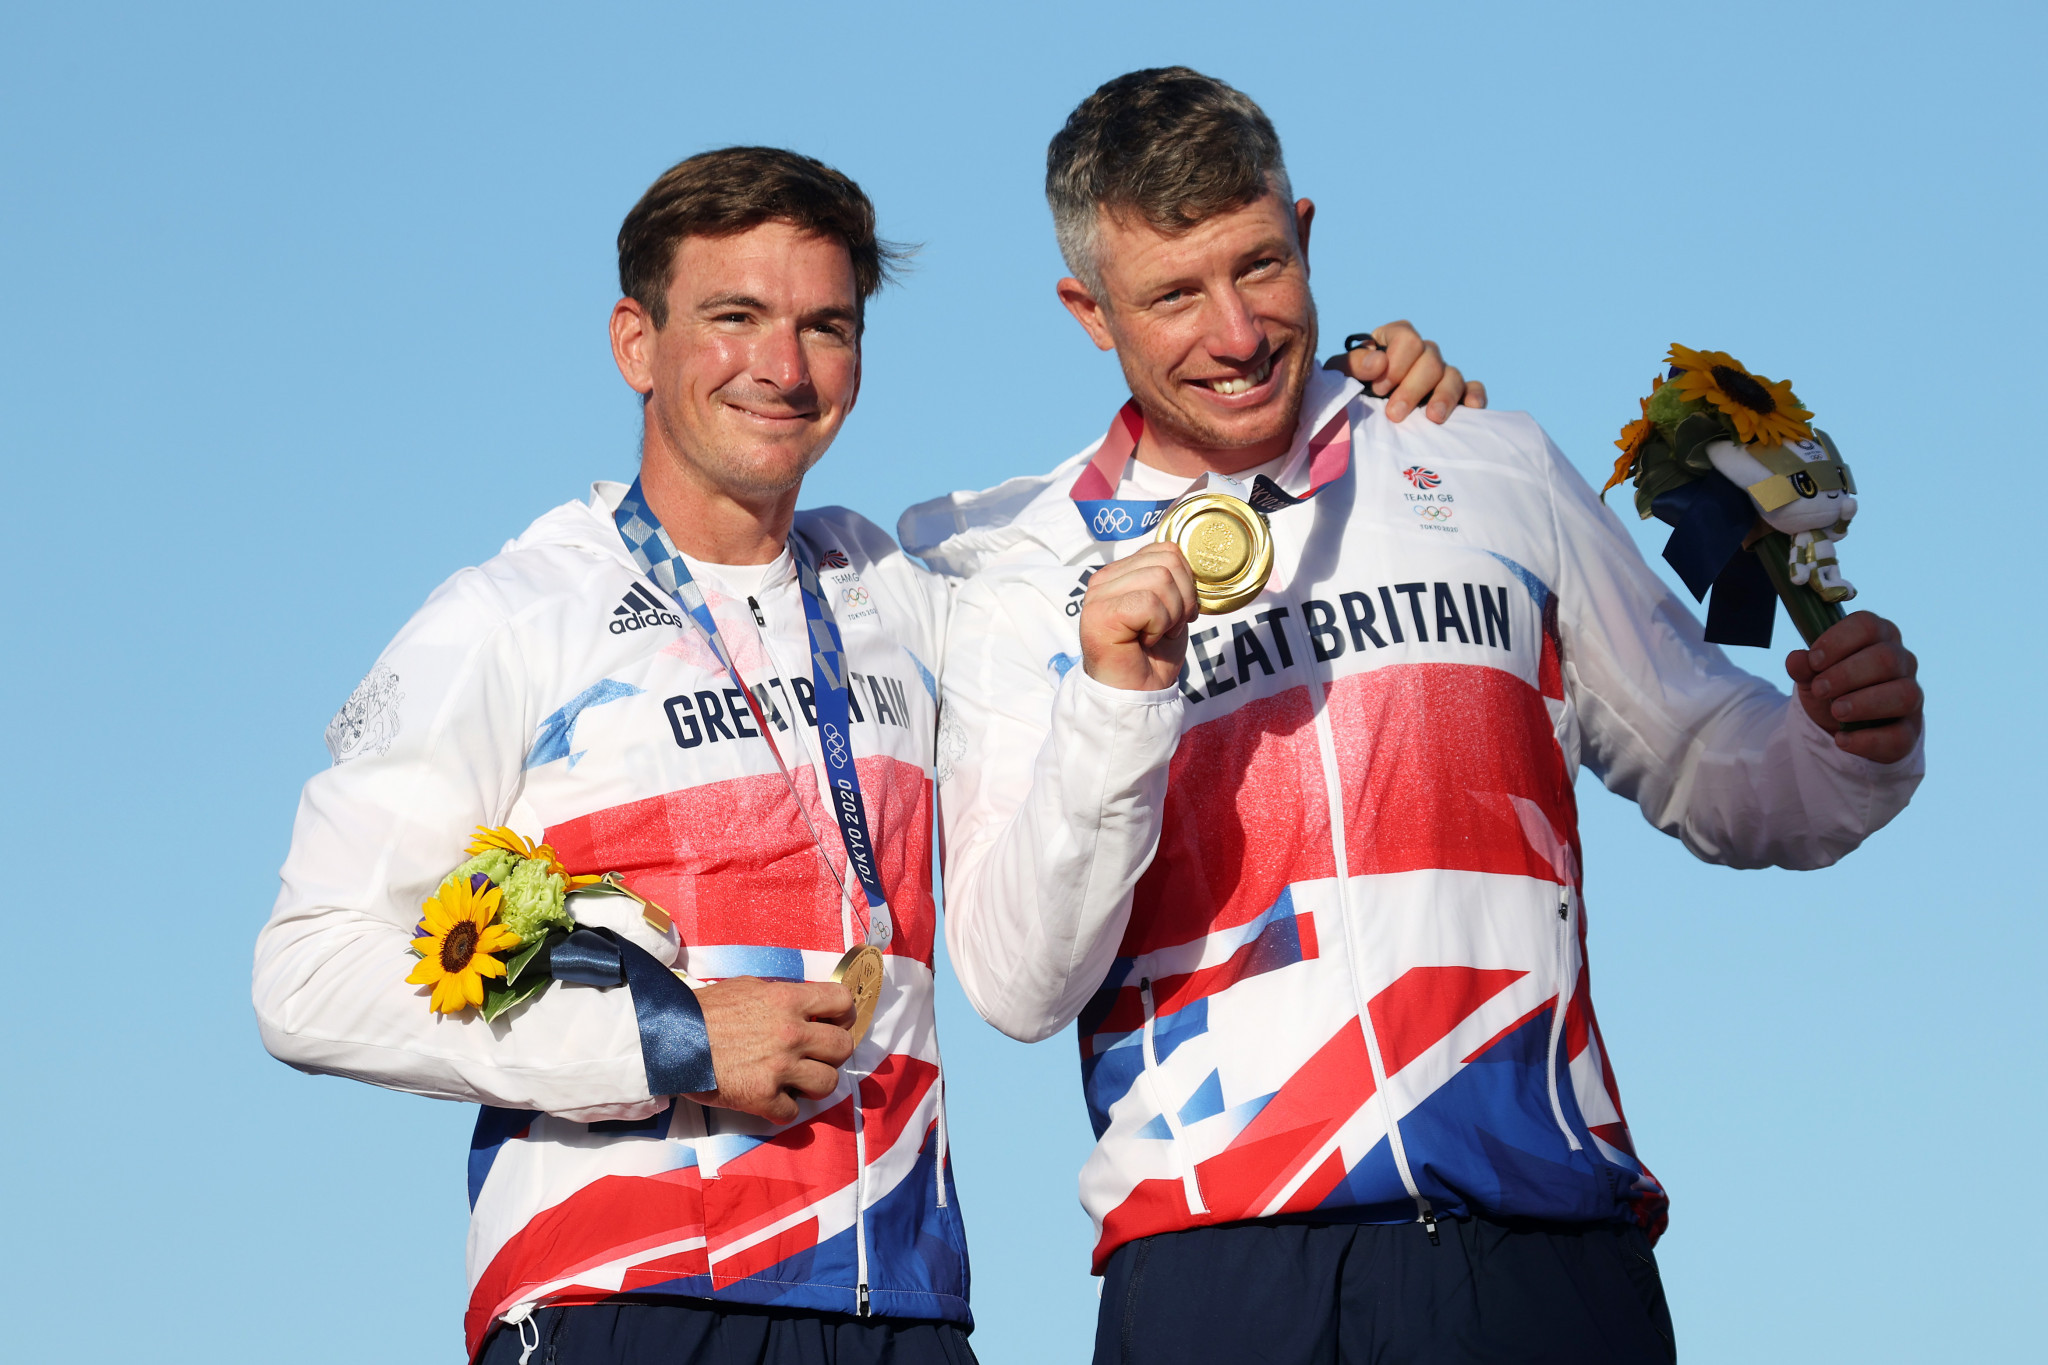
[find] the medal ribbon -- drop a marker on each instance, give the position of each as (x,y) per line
(1111,518)
(658,558)
(835,737)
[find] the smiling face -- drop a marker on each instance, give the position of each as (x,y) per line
(1215,329)
(757,366)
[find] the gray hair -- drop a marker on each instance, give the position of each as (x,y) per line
(1169,145)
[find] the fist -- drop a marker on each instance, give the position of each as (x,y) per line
(1134,620)
(774,1040)
(1858,670)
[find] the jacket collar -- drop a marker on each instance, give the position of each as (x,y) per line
(961,532)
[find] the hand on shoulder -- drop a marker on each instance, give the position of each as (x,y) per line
(1399,365)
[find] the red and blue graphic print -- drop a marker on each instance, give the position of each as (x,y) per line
(1290,997)
(680,789)
(788,1216)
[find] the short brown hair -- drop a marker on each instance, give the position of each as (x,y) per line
(1168,144)
(723,192)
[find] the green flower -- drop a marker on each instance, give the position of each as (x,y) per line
(534,900)
(494,863)
(1668,407)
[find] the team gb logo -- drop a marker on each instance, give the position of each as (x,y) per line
(1420,477)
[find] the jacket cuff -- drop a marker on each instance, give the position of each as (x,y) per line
(1113,745)
(1119,695)
(675,1046)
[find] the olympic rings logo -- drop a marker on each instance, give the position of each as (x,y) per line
(835,745)
(1111,519)
(857,596)
(1433,513)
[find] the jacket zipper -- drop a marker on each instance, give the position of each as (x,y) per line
(1190,1184)
(860,1202)
(1333,787)
(939,1176)
(1564,989)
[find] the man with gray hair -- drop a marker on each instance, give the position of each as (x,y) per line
(1302,857)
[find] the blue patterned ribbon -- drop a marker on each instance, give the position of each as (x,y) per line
(835,738)
(1110,518)
(659,559)
(1121,518)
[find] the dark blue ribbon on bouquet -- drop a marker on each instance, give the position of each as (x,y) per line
(673,1041)
(1709,519)
(658,558)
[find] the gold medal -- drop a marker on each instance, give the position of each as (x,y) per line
(612,884)
(1227,544)
(860,971)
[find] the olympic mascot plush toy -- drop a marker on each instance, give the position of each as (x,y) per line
(1731,462)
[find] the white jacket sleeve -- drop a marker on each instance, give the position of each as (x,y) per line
(1051,811)
(1715,756)
(375,835)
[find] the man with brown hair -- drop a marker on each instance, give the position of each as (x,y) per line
(731,703)
(677,681)
(1303,863)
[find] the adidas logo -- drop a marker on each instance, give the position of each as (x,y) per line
(641,609)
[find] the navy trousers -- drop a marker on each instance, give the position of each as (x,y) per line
(1370,1294)
(694,1332)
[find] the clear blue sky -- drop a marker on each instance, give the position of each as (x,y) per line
(302,308)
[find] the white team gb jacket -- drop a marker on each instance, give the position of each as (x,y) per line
(555,690)
(1318,908)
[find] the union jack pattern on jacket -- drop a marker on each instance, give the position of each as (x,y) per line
(556,690)
(1318,909)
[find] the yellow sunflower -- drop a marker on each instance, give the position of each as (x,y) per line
(455,951)
(519,846)
(1631,442)
(1764,411)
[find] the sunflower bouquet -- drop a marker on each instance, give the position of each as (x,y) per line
(1756,496)
(486,937)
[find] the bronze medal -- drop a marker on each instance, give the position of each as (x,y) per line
(1228,546)
(860,971)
